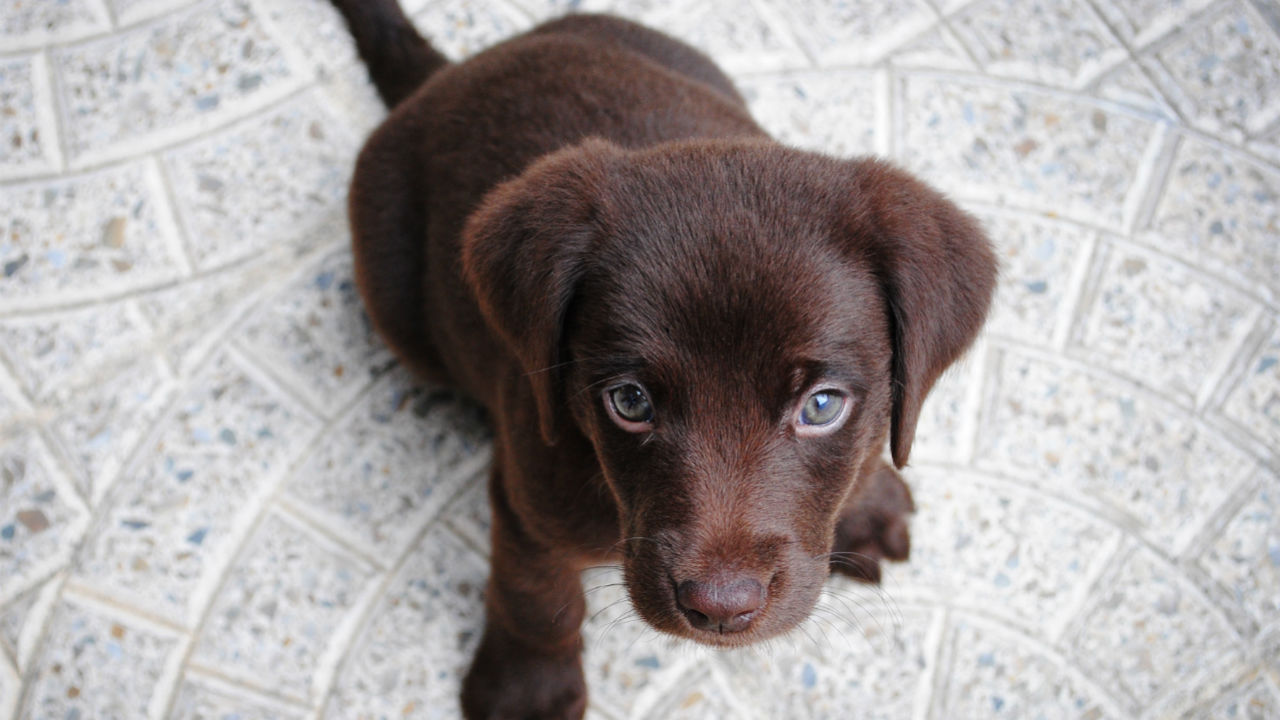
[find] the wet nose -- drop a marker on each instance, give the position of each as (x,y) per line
(722,604)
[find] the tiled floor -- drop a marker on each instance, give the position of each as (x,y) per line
(219,498)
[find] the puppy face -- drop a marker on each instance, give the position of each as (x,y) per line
(735,327)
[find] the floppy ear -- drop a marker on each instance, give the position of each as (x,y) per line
(523,253)
(937,271)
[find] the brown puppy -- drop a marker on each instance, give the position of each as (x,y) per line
(694,342)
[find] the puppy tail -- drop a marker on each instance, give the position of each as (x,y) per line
(398,58)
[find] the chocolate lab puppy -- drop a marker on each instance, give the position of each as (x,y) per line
(694,343)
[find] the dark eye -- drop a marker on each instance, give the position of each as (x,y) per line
(631,405)
(822,408)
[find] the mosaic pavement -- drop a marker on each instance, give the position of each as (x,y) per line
(220,498)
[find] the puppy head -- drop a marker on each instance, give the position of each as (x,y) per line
(736,327)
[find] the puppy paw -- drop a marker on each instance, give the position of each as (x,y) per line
(873,526)
(508,681)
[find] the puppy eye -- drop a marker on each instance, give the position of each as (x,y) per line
(629,407)
(823,407)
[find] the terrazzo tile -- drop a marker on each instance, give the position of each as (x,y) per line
(469,514)
(943,430)
(1000,549)
(855,32)
(41,519)
(935,49)
(23,617)
(462,28)
(74,678)
(31,23)
(194,316)
(81,237)
(628,666)
(1245,558)
(315,330)
(1039,258)
(174,517)
(1226,69)
(995,673)
(1160,323)
(49,352)
(1146,631)
(168,79)
(10,689)
(409,658)
(1258,700)
(280,173)
(1254,402)
(392,463)
(1221,211)
(701,697)
(1057,43)
(128,12)
(1084,435)
(101,423)
(1141,21)
(829,112)
(26,118)
(1037,150)
(1129,85)
(866,669)
(201,698)
(279,609)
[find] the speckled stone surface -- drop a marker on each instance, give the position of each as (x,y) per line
(221,498)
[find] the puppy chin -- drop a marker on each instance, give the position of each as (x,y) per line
(789,602)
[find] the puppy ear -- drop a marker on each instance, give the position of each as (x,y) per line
(523,253)
(938,274)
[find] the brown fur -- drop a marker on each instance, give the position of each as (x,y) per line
(591,203)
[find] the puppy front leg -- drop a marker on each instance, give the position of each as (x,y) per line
(529,664)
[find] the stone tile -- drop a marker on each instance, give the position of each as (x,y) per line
(1257,700)
(1146,630)
(1058,43)
(316,332)
(1245,558)
(1141,21)
(1221,212)
(936,49)
(628,666)
(943,431)
(997,673)
(392,463)
(168,79)
(1226,70)
(1021,147)
(702,696)
(76,677)
(1128,84)
(828,111)
(177,514)
(1085,435)
(279,609)
(469,515)
(81,237)
(462,28)
(1039,260)
(202,698)
(855,32)
(10,689)
(22,618)
(194,316)
(281,173)
(861,668)
(50,352)
(24,23)
(128,12)
(41,519)
(410,657)
(1159,322)
(26,118)
(1254,402)
(1000,549)
(100,424)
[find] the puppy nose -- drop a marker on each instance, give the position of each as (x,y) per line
(723,605)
